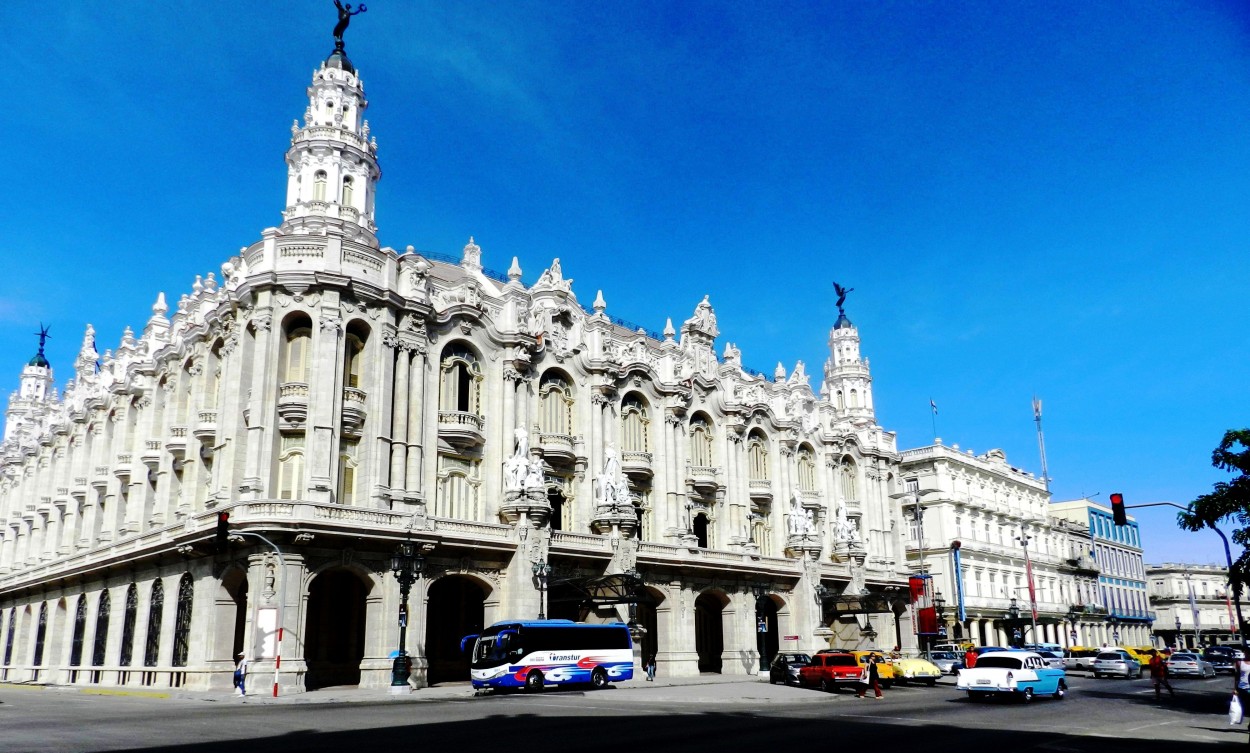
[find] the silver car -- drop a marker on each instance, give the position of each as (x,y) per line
(948,661)
(1055,660)
(1189,665)
(1116,663)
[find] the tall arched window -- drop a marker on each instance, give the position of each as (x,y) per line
(849,487)
(347,191)
(128,625)
(461,378)
(759,534)
(347,472)
(635,425)
(757,457)
(291,466)
(354,358)
(156,611)
(807,470)
(80,630)
(101,631)
(212,384)
(457,494)
(182,621)
(296,352)
(556,398)
(40,634)
(319,185)
(700,442)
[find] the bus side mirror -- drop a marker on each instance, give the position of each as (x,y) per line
(466,642)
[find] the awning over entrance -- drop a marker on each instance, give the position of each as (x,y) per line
(602,590)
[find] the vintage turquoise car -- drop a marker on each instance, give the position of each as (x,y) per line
(1017,674)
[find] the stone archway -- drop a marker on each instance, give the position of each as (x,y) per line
(335,629)
(709,631)
(768,610)
(455,607)
(648,617)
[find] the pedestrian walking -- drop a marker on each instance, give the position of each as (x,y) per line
(872,679)
(240,674)
(650,667)
(970,659)
(1241,682)
(1159,674)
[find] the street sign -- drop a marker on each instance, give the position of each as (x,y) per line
(790,637)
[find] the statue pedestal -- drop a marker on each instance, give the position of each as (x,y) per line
(799,546)
(530,506)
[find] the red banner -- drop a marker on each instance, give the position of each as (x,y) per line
(922,602)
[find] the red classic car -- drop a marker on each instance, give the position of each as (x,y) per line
(829,670)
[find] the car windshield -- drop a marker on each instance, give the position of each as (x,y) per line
(1001,662)
(796,658)
(1109,656)
(943,655)
(1184,657)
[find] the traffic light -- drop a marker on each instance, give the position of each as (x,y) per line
(1117,509)
(223,532)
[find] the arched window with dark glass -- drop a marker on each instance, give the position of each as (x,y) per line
(8,641)
(101,630)
(155,611)
(182,623)
(41,633)
(128,625)
(80,630)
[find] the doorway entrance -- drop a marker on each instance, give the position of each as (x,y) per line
(709,640)
(335,629)
(455,609)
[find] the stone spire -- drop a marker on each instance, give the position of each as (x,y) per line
(332,166)
(847,379)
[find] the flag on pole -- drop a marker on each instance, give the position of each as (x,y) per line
(1037,408)
(933,405)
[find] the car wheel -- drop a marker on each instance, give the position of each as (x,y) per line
(599,678)
(534,681)
(931,681)
(824,686)
(1097,676)
(1061,690)
(1027,696)
(974,698)
(1139,673)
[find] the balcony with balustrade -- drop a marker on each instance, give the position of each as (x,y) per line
(353,411)
(557,447)
(461,428)
(176,444)
(293,404)
(760,489)
(206,427)
(703,476)
(637,464)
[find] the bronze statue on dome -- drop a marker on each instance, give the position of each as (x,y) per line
(345,17)
(842,292)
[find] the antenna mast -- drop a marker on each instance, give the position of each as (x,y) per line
(1041,440)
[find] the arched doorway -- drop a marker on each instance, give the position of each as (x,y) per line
(454,609)
(699,527)
(648,619)
(709,638)
(335,630)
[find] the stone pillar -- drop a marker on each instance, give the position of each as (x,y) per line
(419,418)
(399,420)
(263,391)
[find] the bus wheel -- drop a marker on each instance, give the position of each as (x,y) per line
(534,681)
(599,678)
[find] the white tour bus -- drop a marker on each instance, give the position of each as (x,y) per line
(531,654)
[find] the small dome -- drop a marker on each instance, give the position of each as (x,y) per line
(338,59)
(843,322)
(39,361)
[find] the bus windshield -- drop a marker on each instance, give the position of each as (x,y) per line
(493,646)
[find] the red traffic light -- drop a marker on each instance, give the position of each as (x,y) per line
(223,532)
(1117,509)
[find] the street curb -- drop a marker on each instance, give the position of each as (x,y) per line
(21,686)
(131,693)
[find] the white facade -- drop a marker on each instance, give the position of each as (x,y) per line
(993,511)
(339,397)
(1122,574)
(1192,603)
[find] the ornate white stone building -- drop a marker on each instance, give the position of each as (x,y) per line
(993,511)
(339,397)
(1193,604)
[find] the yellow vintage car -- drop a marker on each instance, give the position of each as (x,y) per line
(885,670)
(916,669)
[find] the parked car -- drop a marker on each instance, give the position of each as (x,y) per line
(831,669)
(1189,665)
(1079,657)
(1018,674)
(785,668)
(885,670)
(1221,657)
(1116,662)
(916,669)
(948,661)
(1054,659)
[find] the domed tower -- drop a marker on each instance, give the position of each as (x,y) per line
(32,398)
(332,166)
(847,379)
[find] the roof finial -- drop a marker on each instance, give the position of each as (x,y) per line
(43,336)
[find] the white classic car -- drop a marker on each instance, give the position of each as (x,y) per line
(1019,674)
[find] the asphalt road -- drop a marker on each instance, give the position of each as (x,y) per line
(1098,715)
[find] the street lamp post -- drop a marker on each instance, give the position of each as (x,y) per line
(1180,641)
(761,626)
(939,610)
(1115,631)
(1024,540)
(1013,615)
(407,566)
(541,571)
(1074,614)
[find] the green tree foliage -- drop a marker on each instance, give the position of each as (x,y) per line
(1229,500)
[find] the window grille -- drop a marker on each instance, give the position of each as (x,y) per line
(182,623)
(8,642)
(101,631)
(155,611)
(41,633)
(80,629)
(128,625)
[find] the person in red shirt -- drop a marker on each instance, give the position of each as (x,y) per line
(970,659)
(1159,673)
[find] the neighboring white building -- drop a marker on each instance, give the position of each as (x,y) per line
(1193,604)
(993,510)
(1122,575)
(340,397)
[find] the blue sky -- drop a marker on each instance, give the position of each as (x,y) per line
(1028,197)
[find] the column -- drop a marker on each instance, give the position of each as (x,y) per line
(263,389)
(417,421)
(399,419)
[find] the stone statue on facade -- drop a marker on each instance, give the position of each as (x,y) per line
(610,486)
(516,467)
(844,530)
(534,480)
(345,18)
(796,520)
